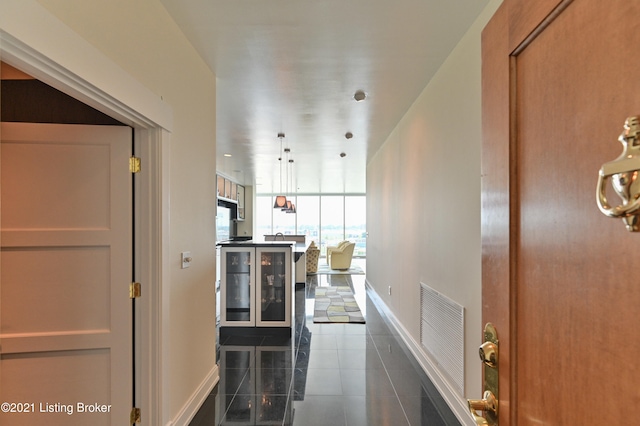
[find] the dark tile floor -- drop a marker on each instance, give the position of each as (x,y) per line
(326,374)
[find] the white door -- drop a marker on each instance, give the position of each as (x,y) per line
(65,269)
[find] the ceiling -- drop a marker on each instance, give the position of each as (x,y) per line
(293,67)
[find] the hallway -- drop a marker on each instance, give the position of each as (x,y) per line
(334,374)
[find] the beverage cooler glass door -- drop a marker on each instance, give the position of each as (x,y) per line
(238,293)
(273,273)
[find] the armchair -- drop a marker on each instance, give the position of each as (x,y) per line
(340,245)
(340,257)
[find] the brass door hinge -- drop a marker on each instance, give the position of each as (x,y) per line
(134,164)
(135,290)
(135,416)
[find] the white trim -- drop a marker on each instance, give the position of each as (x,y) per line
(154,247)
(163,301)
(448,392)
(44,69)
(34,41)
(193,404)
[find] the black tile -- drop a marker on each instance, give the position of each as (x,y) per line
(299,383)
(322,381)
(323,358)
(374,410)
(258,409)
(271,357)
(238,357)
(267,381)
(366,383)
(392,353)
(406,382)
(323,341)
(324,374)
(360,359)
(421,410)
(319,411)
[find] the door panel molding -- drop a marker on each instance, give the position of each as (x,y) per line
(57,178)
(553,101)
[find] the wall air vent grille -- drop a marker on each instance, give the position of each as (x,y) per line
(442,333)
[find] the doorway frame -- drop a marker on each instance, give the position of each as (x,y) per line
(78,69)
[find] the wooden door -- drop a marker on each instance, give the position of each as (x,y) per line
(559,278)
(66,265)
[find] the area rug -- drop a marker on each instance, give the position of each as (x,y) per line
(323,269)
(336,305)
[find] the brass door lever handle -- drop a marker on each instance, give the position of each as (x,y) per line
(488,403)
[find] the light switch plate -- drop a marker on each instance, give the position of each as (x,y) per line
(185,256)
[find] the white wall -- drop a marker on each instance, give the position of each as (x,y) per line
(141,38)
(423,201)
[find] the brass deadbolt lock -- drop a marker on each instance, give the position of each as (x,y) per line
(488,405)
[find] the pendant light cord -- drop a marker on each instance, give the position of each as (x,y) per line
(280,160)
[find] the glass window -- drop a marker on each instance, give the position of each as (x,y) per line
(331,221)
(264,209)
(355,223)
(308,208)
(325,219)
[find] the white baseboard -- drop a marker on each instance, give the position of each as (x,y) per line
(193,404)
(457,404)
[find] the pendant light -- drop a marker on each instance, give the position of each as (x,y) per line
(287,205)
(281,200)
(291,208)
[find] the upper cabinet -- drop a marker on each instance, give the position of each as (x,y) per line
(221,187)
(227,188)
(230,190)
(240,202)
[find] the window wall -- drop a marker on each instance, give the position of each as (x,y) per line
(355,223)
(308,217)
(325,219)
(332,220)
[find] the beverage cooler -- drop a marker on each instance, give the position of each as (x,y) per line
(256,285)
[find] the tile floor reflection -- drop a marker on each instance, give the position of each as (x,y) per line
(325,374)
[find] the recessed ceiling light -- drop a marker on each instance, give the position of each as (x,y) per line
(359,95)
